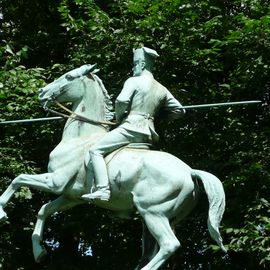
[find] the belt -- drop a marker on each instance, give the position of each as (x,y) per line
(145,115)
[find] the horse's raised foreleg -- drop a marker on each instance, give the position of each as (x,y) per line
(60,204)
(160,228)
(42,182)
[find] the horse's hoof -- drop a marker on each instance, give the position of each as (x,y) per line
(42,254)
(3,215)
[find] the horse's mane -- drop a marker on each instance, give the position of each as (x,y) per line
(109,114)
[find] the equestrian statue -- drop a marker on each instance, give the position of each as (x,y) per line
(114,165)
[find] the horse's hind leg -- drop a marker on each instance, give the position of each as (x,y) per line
(42,182)
(160,228)
(149,247)
(60,204)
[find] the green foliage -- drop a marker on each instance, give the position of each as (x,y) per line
(210,51)
(18,96)
(253,237)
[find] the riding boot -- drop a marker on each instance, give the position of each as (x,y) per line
(102,190)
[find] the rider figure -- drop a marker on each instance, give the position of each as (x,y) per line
(140,101)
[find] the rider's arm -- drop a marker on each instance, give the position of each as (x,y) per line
(172,107)
(123,101)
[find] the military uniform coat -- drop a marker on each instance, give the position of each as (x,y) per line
(140,101)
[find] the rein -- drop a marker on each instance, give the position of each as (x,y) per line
(76,116)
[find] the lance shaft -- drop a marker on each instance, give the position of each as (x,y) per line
(200,106)
(31,120)
(221,104)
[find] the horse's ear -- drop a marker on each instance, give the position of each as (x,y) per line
(93,67)
(89,70)
(86,69)
(95,70)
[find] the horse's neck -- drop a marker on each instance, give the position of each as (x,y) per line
(91,108)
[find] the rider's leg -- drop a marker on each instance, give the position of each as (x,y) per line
(110,142)
(99,167)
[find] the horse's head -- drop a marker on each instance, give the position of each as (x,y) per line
(65,88)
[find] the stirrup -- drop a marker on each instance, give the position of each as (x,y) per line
(102,193)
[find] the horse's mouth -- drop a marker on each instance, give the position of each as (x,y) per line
(45,100)
(43,96)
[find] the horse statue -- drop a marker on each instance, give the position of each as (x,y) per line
(162,188)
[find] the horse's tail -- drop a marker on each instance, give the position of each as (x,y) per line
(216,197)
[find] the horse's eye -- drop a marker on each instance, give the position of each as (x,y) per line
(69,77)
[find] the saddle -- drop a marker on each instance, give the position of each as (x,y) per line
(146,146)
(143,146)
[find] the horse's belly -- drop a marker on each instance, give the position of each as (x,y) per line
(151,176)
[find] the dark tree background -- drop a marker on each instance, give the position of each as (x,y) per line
(210,51)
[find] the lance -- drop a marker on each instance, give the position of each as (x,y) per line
(30,120)
(199,106)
